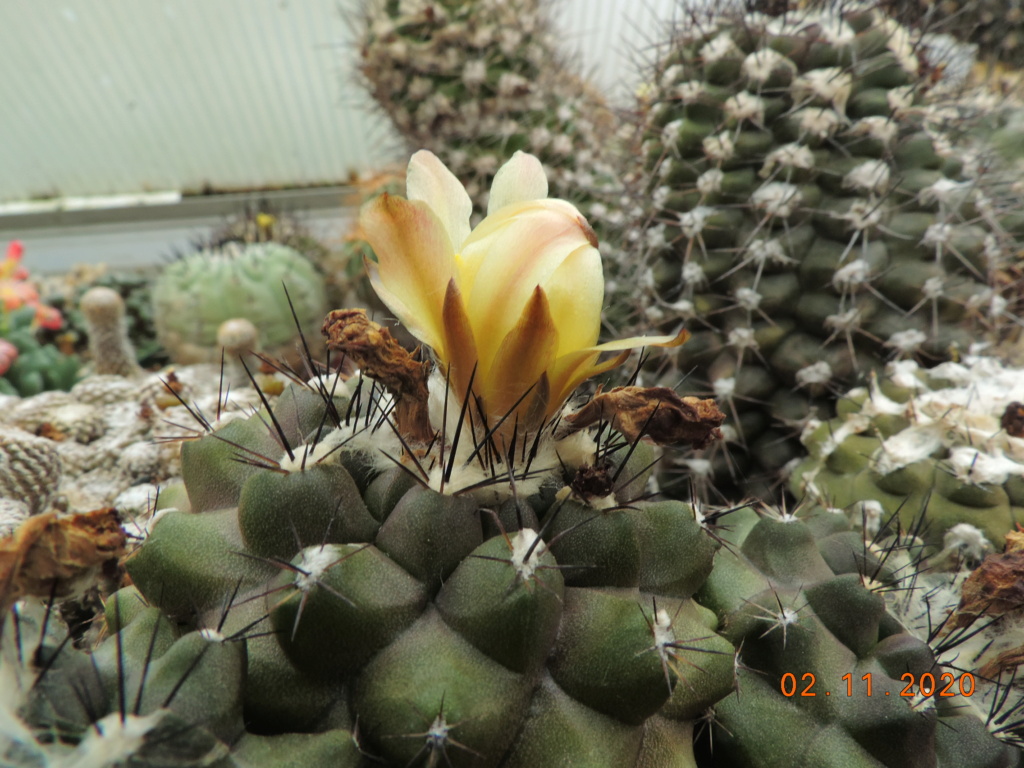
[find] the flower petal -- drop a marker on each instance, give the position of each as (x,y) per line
(458,358)
(575,292)
(522,178)
(415,263)
(429,180)
(571,370)
(525,353)
(507,266)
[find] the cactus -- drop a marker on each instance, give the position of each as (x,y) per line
(111,350)
(66,291)
(30,471)
(945,442)
(261,223)
(995,28)
(195,294)
(817,612)
(283,604)
(30,365)
(427,565)
(807,221)
(476,81)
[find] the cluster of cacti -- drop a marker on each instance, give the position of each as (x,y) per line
(29,365)
(827,673)
(17,290)
(474,81)
(262,282)
(316,603)
(112,438)
(945,443)
(805,219)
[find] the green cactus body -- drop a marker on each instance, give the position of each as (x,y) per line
(285,614)
(807,222)
(939,442)
(276,600)
(196,294)
(39,366)
(822,656)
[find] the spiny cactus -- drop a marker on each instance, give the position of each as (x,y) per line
(806,222)
(194,295)
(830,651)
(434,563)
(946,442)
(476,81)
(996,27)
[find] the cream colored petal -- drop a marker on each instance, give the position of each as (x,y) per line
(429,180)
(571,370)
(524,355)
(575,291)
(523,254)
(415,262)
(521,179)
(635,342)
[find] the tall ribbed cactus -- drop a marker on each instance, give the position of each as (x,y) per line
(475,80)
(805,218)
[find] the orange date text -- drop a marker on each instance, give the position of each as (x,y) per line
(943,684)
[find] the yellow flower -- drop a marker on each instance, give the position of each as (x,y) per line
(513,305)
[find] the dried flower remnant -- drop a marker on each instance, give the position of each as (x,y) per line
(376,352)
(1013,419)
(655,412)
(53,556)
(996,586)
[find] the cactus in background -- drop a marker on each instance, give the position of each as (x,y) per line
(109,346)
(65,292)
(946,444)
(476,81)
(995,27)
(194,295)
(28,365)
(807,222)
(30,472)
(261,223)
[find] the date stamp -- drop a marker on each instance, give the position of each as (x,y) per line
(945,684)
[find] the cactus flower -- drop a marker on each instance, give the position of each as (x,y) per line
(513,305)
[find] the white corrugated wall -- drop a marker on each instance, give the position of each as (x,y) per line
(99,97)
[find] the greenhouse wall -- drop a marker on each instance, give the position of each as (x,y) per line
(149,96)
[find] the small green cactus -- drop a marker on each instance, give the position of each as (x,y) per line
(194,295)
(31,366)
